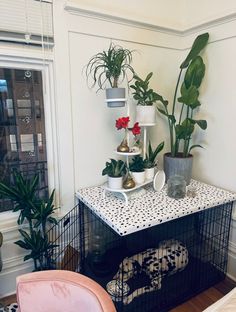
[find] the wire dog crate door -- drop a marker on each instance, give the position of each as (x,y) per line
(104,256)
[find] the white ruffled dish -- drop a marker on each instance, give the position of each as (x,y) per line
(159,180)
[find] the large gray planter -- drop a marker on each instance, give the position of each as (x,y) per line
(179,165)
(115,97)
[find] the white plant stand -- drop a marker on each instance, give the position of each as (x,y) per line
(130,193)
(126,193)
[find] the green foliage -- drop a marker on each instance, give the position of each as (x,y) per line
(115,168)
(181,129)
(142,93)
(109,66)
(149,161)
(137,164)
(37,212)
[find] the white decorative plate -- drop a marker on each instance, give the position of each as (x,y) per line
(159,180)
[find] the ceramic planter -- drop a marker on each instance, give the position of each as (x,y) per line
(181,166)
(149,173)
(146,115)
(115,183)
(115,97)
(139,177)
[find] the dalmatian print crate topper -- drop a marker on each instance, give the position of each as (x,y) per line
(152,208)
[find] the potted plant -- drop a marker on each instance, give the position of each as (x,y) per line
(150,160)
(137,169)
(111,67)
(115,169)
(181,127)
(146,97)
(38,214)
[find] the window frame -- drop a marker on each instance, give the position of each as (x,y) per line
(35,59)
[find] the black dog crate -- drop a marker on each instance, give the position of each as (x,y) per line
(153,269)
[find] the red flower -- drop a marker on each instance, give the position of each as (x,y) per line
(122,123)
(136,129)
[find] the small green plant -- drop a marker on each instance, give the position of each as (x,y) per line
(142,93)
(110,66)
(137,164)
(114,168)
(149,161)
(181,128)
(37,213)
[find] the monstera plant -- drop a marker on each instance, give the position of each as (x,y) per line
(182,124)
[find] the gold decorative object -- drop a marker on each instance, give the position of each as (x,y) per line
(128,182)
(123,147)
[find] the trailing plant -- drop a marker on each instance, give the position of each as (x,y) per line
(114,168)
(34,211)
(110,66)
(149,161)
(142,93)
(182,128)
(137,164)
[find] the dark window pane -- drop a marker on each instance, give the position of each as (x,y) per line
(22,127)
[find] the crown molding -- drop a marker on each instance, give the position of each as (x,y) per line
(183,31)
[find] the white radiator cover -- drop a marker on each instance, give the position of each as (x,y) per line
(26,17)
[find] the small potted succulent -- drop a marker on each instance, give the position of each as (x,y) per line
(150,160)
(115,169)
(111,67)
(146,97)
(137,169)
(182,125)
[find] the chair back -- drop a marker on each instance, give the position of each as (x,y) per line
(60,291)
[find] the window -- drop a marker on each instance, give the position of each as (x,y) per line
(22,128)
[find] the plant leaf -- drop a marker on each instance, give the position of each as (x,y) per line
(199,43)
(194,146)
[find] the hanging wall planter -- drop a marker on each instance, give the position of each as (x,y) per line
(115,97)
(110,68)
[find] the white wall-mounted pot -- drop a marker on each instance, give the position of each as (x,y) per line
(139,177)
(115,183)
(146,115)
(115,97)
(149,173)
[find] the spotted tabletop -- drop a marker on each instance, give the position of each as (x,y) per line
(150,208)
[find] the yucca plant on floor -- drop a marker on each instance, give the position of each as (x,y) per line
(35,213)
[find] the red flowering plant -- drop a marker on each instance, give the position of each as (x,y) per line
(136,130)
(123,123)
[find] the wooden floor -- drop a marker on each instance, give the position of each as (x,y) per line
(196,304)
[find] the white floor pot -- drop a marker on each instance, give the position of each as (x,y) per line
(139,177)
(115,97)
(115,183)
(149,173)
(146,114)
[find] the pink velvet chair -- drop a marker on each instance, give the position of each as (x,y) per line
(61,291)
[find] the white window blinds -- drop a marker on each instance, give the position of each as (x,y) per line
(26,21)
